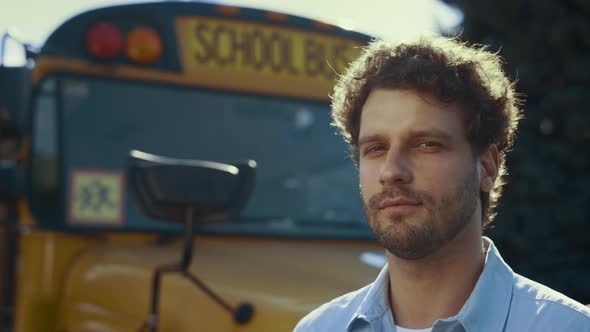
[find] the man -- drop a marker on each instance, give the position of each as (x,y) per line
(429,123)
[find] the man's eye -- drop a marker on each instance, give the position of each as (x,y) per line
(374,149)
(429,145)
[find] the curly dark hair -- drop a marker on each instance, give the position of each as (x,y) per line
(448,70)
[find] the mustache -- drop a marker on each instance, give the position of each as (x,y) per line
(393,193)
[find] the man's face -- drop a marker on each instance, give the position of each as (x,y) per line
(419,179)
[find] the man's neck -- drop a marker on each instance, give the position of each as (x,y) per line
(422,291)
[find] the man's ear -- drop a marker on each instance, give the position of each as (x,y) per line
(488,172)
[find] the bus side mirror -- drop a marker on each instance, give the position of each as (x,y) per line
(165,188)
(12,173)
(15,89)
(15,94)
(12,180)
(190,192)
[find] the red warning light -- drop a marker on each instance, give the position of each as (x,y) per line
(104,41)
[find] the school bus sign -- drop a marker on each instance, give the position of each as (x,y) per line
(263,58)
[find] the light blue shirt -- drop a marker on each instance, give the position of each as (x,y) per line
(501,301)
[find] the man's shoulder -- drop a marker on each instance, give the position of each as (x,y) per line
(334,315)
(545,305)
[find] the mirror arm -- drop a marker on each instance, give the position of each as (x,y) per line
(187,251)
(152,322)
(242,314)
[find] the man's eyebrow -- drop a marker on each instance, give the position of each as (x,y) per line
(370,138)
(436,133)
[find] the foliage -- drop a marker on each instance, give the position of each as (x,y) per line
(543,225)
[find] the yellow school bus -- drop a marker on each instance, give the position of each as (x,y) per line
(187,81)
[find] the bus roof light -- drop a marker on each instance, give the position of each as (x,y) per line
(104,41)
(228,10)
(277,17)
(322,25)
(143,45)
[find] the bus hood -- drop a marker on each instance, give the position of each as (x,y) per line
(108,287)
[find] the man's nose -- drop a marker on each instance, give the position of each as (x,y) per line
(396,168)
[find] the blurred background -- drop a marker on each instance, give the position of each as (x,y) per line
(542,228)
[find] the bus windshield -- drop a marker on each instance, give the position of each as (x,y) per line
(305,181)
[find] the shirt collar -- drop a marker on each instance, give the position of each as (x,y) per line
(487,306)
(485,309)
(376,300)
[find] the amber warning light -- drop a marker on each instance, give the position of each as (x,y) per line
(143,45)
(104,41)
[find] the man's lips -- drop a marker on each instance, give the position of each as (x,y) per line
(400,201)
(399,204)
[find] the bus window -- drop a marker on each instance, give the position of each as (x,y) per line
(305,182)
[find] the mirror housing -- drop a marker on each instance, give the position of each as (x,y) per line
(15,94)
(12,180)
(165,188)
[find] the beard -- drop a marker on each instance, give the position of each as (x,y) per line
(436,222)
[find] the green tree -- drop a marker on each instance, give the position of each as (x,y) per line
(543,224)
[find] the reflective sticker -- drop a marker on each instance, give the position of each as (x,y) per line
(96,197)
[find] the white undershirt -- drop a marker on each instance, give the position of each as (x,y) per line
(403,329)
